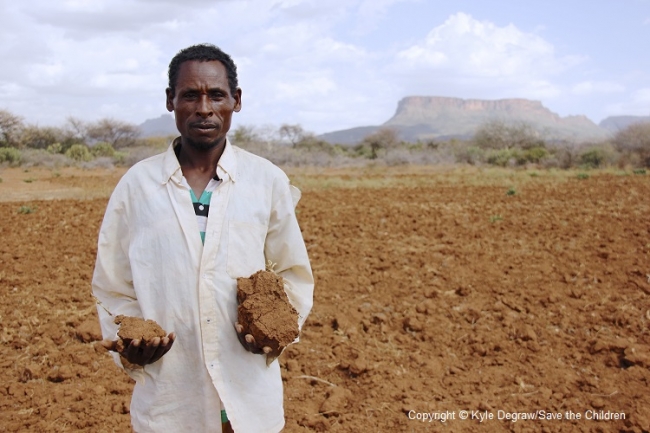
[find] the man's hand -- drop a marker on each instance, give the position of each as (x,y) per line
(248,341)
(140,353)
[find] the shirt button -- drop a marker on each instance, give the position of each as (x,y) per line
(201,207)
(209,320)
(212,366)
(205,276)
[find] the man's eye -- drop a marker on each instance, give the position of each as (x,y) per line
(190,95)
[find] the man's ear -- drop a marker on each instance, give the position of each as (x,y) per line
(170,99)
(237,97)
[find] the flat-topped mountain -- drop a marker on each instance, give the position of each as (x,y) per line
(436,117)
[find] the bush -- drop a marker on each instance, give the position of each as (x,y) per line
(10,155)
(467,154)
(635,140)
(55,148)
(497,134)
(534,155)
(102,149)
(79,152)
(502,157)
(592,158)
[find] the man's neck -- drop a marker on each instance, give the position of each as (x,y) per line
(199,166)
(200,161)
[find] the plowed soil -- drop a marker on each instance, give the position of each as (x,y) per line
(435,293)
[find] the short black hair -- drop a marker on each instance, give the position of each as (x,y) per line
(203,53)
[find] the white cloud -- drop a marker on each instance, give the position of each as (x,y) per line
(299,61)
(468,58)
(482,49)
(637,103)
(591,87)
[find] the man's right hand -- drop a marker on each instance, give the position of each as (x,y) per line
(140,353)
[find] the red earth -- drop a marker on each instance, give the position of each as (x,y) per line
(435,294)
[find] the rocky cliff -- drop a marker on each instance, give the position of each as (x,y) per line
(427,117)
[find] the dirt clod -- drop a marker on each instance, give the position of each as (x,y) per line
(132,328)
(265,311)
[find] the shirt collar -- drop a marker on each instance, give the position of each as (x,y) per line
(227,165)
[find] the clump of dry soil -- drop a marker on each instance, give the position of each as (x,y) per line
(132,328)
(265,311)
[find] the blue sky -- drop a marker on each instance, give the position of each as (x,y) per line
(326,65)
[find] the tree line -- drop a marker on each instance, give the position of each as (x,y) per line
(494,143)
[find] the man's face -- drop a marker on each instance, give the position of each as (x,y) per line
(203,104)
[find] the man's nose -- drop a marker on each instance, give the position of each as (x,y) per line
(204,108)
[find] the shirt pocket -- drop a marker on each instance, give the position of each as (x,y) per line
(245,248)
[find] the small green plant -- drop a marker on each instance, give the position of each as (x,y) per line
(29,180)
(511,191)
(79,152)
(495,218)
(57,173)
(55,148)
(26,210)
(533,174)
(640,171)
(592,158)
(102,149)
(10,155)
(583,176)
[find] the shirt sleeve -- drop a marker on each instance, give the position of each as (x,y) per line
(112,283)
(286,248)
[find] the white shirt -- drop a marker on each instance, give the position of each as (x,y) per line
(151,264)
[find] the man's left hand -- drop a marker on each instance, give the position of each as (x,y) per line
(249,343)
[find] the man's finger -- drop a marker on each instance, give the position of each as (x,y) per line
(150,349)
(266,349)
(239,328)
(109,345)
(250,339)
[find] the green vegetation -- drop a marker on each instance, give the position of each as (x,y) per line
(582,176)
(495,218)
(639,171)
(26,210)
(10,155)
(109,142)
(29,180)
(511,191)
(79,152)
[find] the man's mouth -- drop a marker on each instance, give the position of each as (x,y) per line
(204,126)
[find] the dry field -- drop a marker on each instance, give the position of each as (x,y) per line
(437,292)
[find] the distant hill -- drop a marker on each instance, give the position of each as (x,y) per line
(159,127)
(616,123)
(434,117)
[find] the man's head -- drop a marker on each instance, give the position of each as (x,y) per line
(203,53)
(203,94)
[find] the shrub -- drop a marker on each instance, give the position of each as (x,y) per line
(497,134)
(79,152)
(635,139)
(10,155)
(468,154)
(592,158)
(534,155)
(55,148)
(502,157)
(102,149)
(42,158)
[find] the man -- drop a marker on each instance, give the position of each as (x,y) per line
(179,229)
